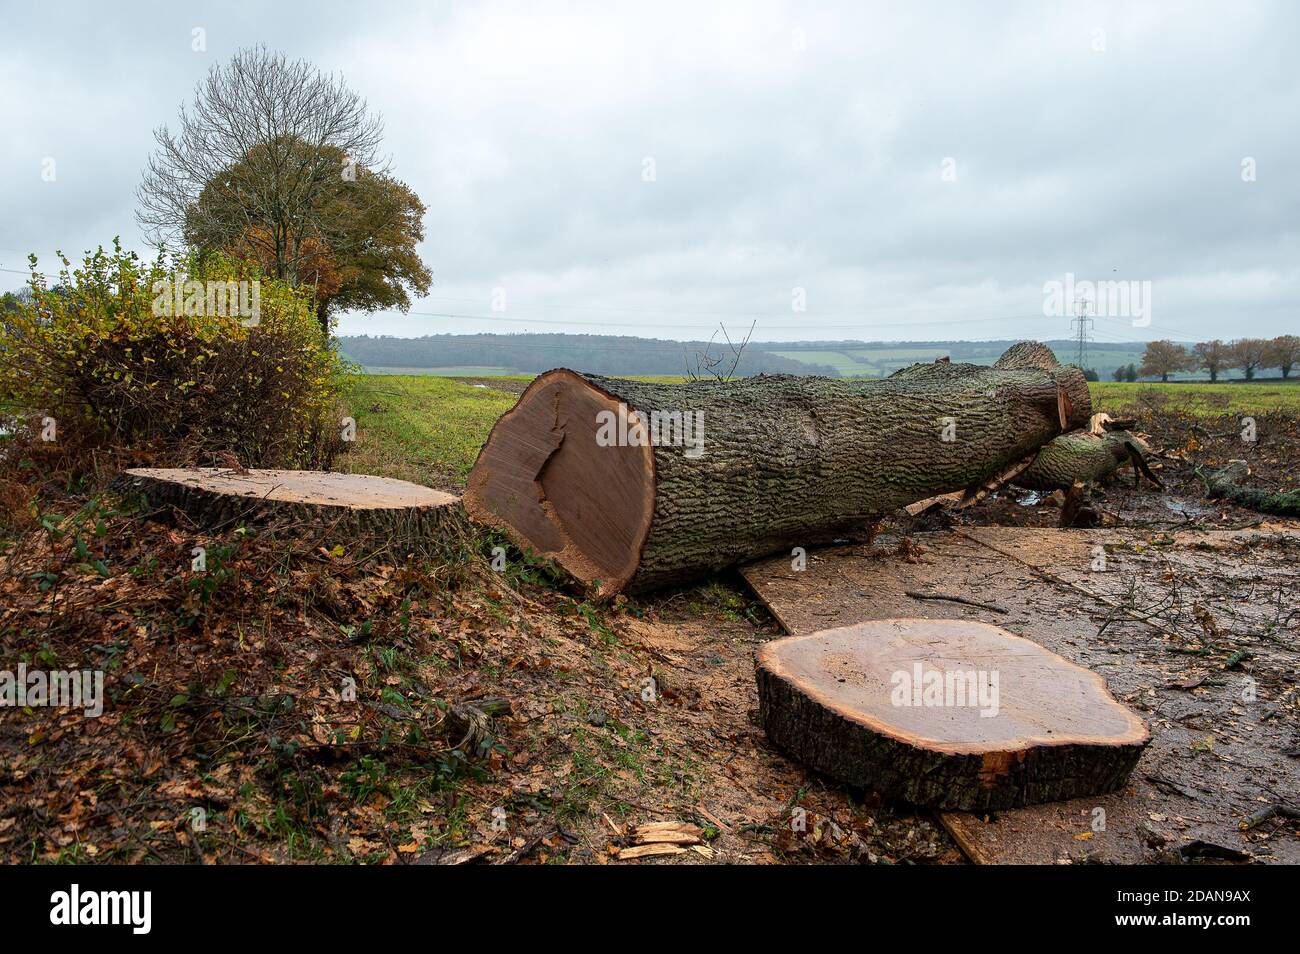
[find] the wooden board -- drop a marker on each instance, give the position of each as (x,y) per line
(1180,792)
(946,713)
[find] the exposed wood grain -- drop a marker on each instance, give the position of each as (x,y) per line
(946,713)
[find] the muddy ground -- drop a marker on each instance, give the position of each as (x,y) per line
(311,708)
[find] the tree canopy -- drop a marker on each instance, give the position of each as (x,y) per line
(358,247)
(280,162)
(1163,358)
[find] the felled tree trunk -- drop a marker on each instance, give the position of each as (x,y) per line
(951,714)
(1223,485)
(1084,458)
(630,485)
(365,515)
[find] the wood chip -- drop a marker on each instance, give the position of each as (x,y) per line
(718,822)
(675,833)
(648,851)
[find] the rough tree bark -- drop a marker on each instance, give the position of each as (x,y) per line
(1087,458)
(362,513)
(1224,484)
(870,705)
(784,461)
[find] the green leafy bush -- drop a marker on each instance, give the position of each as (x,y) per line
(176,361)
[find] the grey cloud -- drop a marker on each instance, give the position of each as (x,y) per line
(525,127)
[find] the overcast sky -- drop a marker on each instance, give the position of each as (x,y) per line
(919,171)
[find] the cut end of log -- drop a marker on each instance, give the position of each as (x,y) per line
(946,713)
(544,476)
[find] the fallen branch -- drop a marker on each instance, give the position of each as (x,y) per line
(1088,458)
(1222,485)
(1264,814)
(917,595)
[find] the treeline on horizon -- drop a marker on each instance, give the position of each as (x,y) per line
(614,354)
(534,353)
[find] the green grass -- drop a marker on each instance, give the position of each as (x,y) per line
(425,429)
(1202,399)
(883,361)
(458,371)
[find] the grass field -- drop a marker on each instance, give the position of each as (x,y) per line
(425,429)
(841,361)
(1199,398)
(459,371)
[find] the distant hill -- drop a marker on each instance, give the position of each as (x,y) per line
(879,358)
(489,354)
(531,354)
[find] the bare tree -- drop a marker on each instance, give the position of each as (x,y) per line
(1284,353)
(1163,358)
(1249,354)
(719,367)
(266,133)
(1213,356)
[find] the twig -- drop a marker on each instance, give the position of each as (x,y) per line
(917,595)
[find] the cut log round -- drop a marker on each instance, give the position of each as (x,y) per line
(358,511)
(946,713)
(632,485)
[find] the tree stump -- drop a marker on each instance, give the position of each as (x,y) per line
(899,706)
(630,485)
(360,512)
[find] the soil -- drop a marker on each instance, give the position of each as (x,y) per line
(227,691)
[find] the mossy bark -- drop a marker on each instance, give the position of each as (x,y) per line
(1087,458)
(1221,485)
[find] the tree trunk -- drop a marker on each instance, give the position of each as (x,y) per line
(1223,485)
(365,515)
(630,485)
(952,714)
(1083,457)
(323,317)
